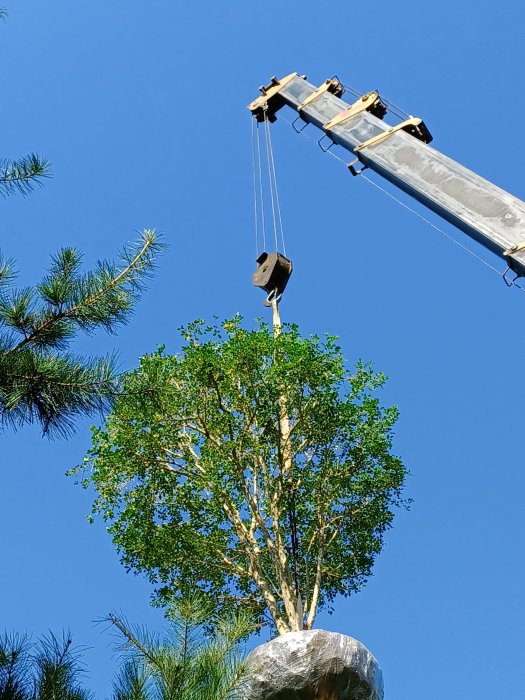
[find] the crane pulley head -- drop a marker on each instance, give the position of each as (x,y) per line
(265,106)
(272,273)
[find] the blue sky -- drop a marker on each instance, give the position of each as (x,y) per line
(141,109)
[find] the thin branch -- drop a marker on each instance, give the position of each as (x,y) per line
(232,565)
(317,588)
(21,175)
(128,634)
(350,511)
(74,385)
(67,313)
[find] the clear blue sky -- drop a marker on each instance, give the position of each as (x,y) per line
(141,109)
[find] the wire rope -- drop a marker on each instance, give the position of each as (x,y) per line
(256,212)
(259,194)
(430,223)
(400,113)
(273,177)
(261,191)
(351,90)
(272,197)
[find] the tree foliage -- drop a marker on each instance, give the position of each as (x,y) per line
(21,175)
(200,659)
(252,466)
(187,664)
(40,380)
(47,670)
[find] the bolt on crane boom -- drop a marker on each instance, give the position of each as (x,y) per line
(401,154)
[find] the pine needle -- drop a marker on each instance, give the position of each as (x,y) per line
(40,380)
(23,174)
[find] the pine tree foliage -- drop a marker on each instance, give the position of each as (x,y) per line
(47,670)
(254,467)
(40,379)
(186,665)
(201,658)
(21,175)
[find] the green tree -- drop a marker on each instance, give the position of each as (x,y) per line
(187,665)
(200,659)
(47,670)
(40,380)
(252,466)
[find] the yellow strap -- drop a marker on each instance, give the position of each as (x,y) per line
(360,105)
(413,121)
(328,85)
(518,248)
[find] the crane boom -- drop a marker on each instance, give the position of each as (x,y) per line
(401,154)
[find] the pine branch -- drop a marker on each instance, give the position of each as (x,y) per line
(57,670)
(14,671)
(131,683)
(7,271)
(23,174)
(103,298)
(41,382)
(53,390)
(187,665)
(132,640)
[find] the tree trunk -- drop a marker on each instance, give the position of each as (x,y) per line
(291,597)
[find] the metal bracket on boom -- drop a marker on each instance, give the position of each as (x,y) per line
(270,100)
(414,126)
(518,248)
(354,171)
(331,85)
(368,103)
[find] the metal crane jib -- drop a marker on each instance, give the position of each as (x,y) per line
(401,154)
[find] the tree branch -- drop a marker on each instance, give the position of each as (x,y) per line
(316,589)
(68,313)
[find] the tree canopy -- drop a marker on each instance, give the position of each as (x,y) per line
(252,466)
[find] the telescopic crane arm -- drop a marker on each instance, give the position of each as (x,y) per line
(401,154)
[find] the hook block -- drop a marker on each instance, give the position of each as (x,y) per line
(273,272)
